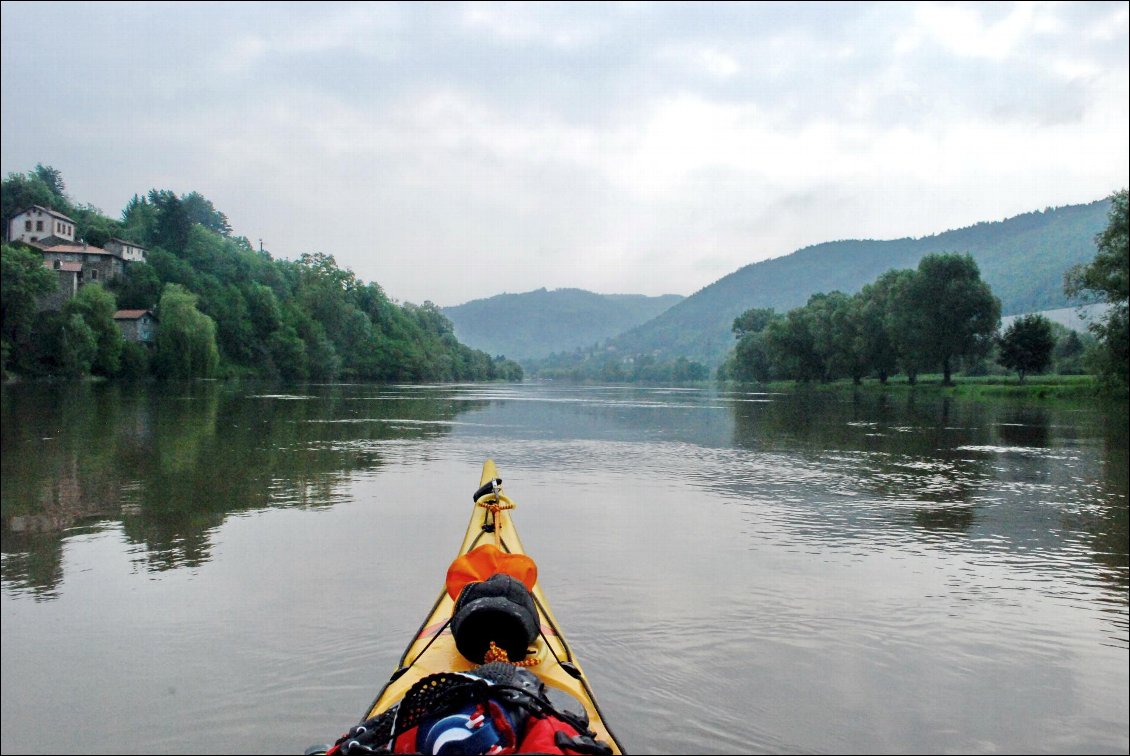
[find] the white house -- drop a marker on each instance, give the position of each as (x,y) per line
(39,222)
(127,250)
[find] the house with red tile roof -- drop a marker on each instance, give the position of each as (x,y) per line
(98,265)
(137,325)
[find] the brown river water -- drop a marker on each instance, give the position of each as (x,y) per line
(220,568)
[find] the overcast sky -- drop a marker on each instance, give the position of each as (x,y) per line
(455,151)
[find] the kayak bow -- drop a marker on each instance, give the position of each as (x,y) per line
(433,649)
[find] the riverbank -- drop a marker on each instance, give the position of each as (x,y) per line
(1039,387)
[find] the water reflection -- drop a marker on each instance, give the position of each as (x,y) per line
(171,462)
(888,467)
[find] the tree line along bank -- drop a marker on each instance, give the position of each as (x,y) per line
(939,317)
(223,308)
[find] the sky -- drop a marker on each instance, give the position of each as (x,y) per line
(455,151)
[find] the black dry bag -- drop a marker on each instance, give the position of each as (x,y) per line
(500,609)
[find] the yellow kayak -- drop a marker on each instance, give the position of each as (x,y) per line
(435,650)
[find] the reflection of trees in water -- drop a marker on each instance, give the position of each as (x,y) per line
(33,560)
(1045,473)
(957,519)
(1024,427)
(171,462)
(1109,525)
(938,452)
(908,448)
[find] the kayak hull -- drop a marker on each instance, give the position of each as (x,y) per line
(433,650)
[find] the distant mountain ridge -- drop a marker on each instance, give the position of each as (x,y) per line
(538,323)
(1022,258)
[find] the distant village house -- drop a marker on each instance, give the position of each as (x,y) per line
(39,222)
(137,325)
(76,262)
(96,264)
(127,250)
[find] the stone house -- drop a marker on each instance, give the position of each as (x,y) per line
(137,325)
(37,222)
(53,234)
(69,274)
(97,265)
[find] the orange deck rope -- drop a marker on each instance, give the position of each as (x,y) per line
(496,654)
(495,505)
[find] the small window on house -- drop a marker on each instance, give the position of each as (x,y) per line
(93,275)
(58,264)
(39,225)
(27,225)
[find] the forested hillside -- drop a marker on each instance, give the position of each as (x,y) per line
(1023,259)
(224,308)
(538,323)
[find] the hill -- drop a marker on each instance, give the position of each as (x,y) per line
(538,323)
(1022,258)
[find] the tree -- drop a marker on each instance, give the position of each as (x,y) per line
(23,282)
(20,191)
(135,360)
(139,218)
(96,307)
(171,224)
(138,288)
(93,227)
(201,210)
(1107,279)
(1026,345)
(753,321)
(68,346)
(52,178)
(263,309)
(949,312)
(837,335)
(877,345)
(750,359)
(1069,355)
(791,347)
(186,338)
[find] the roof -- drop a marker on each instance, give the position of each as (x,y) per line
(70,267)
(133,314)
(49,241)
(72,248)
(47,210)
(127,242)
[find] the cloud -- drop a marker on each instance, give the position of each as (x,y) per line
(533,24)
(451,151)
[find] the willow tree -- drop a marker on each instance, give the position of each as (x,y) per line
(186,337)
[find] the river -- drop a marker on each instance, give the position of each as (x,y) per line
(219,568)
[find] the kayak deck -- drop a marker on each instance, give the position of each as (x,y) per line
(433,649)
